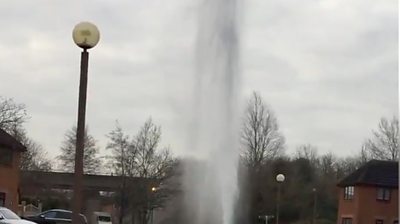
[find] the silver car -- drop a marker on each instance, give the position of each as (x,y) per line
(9,217)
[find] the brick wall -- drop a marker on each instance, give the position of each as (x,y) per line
(372,209)
(348,208)
(364,208)
(9,182)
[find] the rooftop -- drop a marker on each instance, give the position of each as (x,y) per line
(8,141)
(376,173)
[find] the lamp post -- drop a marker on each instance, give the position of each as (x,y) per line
(85,35)
(314,205)
(267,217)
(280,178)
(153,191)
(122,201)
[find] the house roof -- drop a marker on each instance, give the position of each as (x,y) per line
(6,140)
(374,172)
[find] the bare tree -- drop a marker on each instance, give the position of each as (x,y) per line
(12,118)
(307,151)
(260,133)
(385,141)
(327,165)
(119,143)
(11,114)
(34,158)
(141,156)
(150,161)
(91,162)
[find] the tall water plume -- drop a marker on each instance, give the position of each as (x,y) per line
(211,185)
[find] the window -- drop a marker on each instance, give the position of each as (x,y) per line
(108,219)
(64,215)
(347,221)
(379,221)
(383,194)
(349,192)
(6,157)
(2,199)
(50,215)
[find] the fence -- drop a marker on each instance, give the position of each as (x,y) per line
(29,210)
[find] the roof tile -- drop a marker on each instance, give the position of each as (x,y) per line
(375,172)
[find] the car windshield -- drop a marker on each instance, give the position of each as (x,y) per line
(8,214)
(104,218)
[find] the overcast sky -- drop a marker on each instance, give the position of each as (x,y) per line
(327,68)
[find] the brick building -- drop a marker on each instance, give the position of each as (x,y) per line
(370,194)
(10,154)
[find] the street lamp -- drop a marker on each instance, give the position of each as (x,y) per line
(86,36)
(153,190)
(280,178)
(266,217)
(314,205)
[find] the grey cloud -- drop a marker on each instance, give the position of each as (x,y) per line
(317,63)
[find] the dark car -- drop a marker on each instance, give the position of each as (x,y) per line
(55,216)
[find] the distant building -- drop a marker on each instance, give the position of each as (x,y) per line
(370,194)
(10,155)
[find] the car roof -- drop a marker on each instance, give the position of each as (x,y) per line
(4,208)
(102,213)
(59,210)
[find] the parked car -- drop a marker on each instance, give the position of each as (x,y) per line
(55,216)
(9,217)
(101,218)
